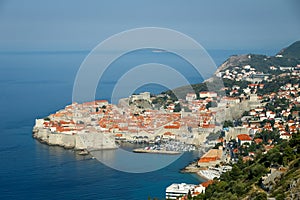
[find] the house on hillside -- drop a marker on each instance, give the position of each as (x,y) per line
(243,138)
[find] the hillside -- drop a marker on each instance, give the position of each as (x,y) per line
(245,181)
(293,51)
(287,57)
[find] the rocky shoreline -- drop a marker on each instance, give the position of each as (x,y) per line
(191,168)
(83,143)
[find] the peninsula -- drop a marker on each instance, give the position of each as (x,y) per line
(99,125)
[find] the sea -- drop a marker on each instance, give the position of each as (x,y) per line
(34,84)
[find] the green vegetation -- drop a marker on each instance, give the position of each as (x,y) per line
(182,91)
(244,180)
(293,51)
(262,63)
(266,135)
(228,123)
(230,83)
(177,108)
(275,85)
(47,119)
(290,57)
(213,136)
(160,100)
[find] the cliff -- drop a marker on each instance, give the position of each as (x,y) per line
(79,141)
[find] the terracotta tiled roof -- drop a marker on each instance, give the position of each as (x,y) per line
(207,183)
(244,137)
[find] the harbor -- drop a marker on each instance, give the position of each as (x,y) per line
(169,147)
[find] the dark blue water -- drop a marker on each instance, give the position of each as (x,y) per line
(33,85)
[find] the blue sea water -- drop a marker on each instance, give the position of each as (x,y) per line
(35,84)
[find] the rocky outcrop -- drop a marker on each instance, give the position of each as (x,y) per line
(58,139)
(80,141)
(232,61)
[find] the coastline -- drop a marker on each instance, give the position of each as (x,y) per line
(203,177)
(193,168)
(68,141)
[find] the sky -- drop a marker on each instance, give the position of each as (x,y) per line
(40,25)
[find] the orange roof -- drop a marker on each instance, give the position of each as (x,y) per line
(286,134)
(207,159)
(246,158)
(207,183)
(208,125)
(58,115)
(207,92)
(168,133)
(252,85)
(172,127)
(211,155)
(101,101)
(258,140)
(62,129)
(64,122)
(244,137)
(89,103)
(268,147)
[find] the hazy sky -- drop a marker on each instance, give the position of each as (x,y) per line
(82,24)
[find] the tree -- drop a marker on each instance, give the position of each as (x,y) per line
(208,105)
(189,195)
(218,145)
(47,119)
(177,108)
(228,123)
(259,196)
(236,172)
